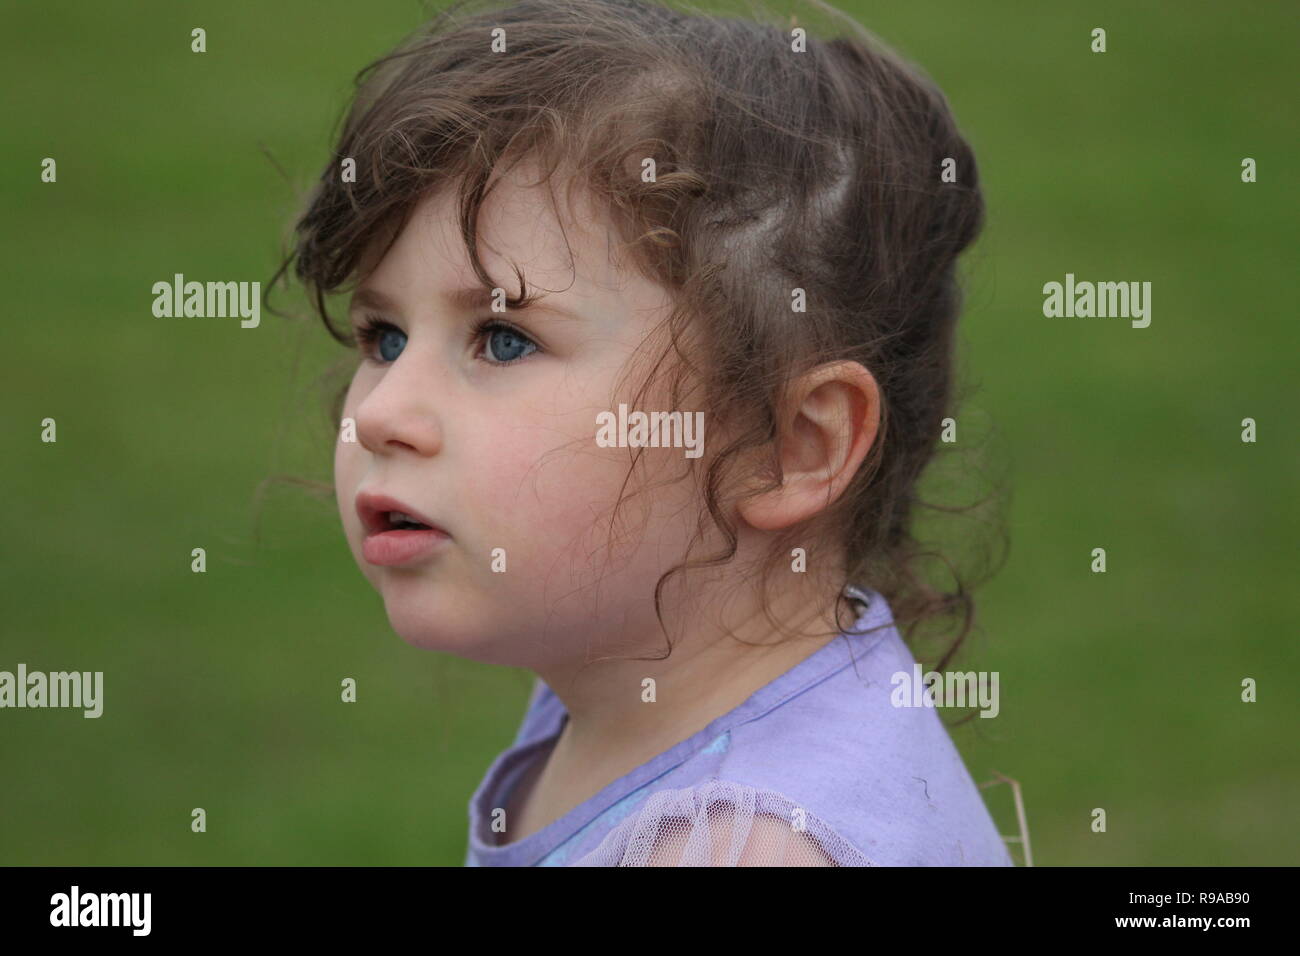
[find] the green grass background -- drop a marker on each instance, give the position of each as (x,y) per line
(1119,691)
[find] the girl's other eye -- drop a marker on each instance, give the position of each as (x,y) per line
(505,344)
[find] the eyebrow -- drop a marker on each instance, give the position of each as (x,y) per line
(372,299)
(472,297)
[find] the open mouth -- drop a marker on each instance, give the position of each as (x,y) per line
(395,536)
(400,521)
(380,514)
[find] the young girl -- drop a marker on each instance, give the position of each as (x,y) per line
(655,318)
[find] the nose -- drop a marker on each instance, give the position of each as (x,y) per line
(397,414)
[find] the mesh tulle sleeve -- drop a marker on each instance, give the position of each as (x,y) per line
(720,823)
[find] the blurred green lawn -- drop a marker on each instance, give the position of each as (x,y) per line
(1119,690)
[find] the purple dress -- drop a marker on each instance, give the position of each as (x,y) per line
(815,768)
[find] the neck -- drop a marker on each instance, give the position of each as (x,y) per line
(718,660)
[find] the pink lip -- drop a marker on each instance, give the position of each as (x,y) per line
(389,547)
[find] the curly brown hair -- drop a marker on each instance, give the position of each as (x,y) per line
(781,161)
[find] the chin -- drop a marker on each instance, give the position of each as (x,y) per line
(433,628)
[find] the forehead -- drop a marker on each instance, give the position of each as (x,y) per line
(558,238)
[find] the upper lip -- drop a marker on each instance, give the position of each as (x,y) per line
(373,510)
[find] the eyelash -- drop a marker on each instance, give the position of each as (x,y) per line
(372,327)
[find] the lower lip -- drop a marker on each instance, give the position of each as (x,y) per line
(392,548)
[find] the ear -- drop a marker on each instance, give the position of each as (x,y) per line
(830,423)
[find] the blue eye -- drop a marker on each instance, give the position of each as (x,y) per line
(391,343)
(505,345)
(376,335)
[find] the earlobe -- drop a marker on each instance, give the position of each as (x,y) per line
(765,511)
(829,428)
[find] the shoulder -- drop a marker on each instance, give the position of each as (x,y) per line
(888,778)
(723,823)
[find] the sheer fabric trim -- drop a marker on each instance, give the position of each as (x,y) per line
(722,823)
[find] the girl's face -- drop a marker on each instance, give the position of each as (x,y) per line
(491,437)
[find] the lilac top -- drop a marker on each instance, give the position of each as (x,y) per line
(815,767)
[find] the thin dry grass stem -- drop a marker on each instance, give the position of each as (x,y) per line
(1023,839)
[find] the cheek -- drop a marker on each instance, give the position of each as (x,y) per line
(349,466)
(345,479)
(544,500)
(550,505)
